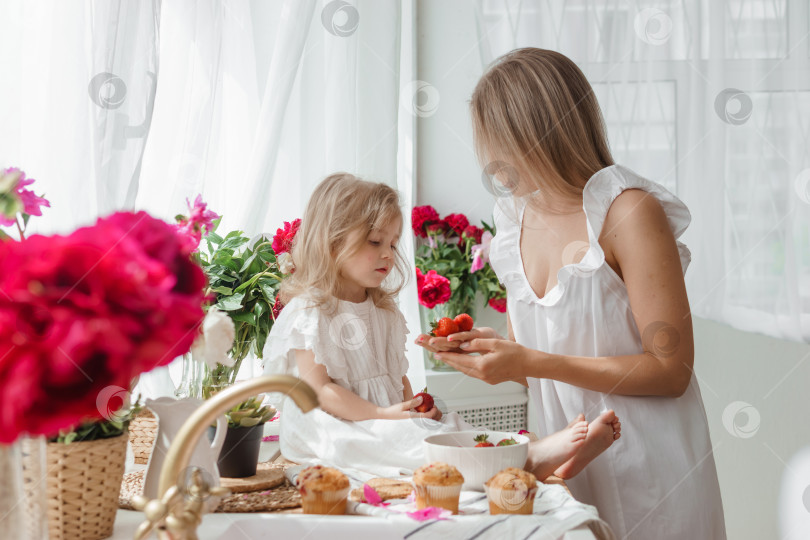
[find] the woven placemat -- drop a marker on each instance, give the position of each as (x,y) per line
(268,475)
(280,496)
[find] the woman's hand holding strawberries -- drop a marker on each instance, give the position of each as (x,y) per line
(453,341)
(404,410)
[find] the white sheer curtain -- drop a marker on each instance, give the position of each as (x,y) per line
(76,102)
(712,100)
(254,103)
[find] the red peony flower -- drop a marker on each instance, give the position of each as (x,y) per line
(471,231)
(457,222)
(283,240)
(88,311)
(435,290)
(498,304)
(438,227)
(277,307)
(421,217)
(420,280)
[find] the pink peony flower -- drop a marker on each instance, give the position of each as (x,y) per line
(87,311)
(431,512)
(435,290)
(498,304)
(421,217)
(372,497)
(191,228)
(270,438)
(457,223)
(13,183)
(480,252)
(283,240)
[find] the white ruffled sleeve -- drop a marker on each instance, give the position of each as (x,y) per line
(302,326)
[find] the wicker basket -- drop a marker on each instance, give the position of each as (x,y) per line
(84,479)
(142,430)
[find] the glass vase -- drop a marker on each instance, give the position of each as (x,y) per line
(451,308)
(23,489)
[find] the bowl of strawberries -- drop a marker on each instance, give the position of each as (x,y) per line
(478,455)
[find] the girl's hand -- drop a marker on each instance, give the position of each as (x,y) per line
(401,411)
(501,360)
(453,341)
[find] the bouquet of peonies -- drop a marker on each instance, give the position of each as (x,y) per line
(452,261)
(88,311)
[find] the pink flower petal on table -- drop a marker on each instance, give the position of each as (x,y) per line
(270,438)
(372,497)
(431,512)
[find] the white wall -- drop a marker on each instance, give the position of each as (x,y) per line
(732,366)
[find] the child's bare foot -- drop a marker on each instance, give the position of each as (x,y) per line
(601,434)
(551,452)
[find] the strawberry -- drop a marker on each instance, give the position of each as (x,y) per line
(482,441)
(464,322)
(507,442)
(427,401)
(443,327)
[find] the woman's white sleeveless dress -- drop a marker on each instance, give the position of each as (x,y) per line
(658,481)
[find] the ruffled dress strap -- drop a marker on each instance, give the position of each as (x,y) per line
(599,193)
(607,184)
(303,326)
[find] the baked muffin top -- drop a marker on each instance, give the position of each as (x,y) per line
(512,478)
(320,478)
(438,474)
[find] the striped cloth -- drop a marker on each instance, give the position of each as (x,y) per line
(555,513)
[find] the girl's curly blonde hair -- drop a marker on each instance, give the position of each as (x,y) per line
(342,204)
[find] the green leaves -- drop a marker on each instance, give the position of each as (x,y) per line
(245,280)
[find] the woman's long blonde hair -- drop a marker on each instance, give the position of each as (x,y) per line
(535,110)
(342,204)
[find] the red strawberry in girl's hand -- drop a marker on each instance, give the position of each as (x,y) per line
(427,401)
(482,441)
(464,322)
(444,327)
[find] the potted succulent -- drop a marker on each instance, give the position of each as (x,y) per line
(240,451)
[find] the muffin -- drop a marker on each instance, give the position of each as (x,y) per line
(323,490)
(511,491)
(438,484)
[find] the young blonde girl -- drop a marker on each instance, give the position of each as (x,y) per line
(341,332)
(598,316)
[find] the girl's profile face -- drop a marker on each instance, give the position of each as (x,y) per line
(367,267)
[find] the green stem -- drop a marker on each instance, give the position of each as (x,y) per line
(20,229)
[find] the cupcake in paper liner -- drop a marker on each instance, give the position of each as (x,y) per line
(511,491)
(438,484)
(323,490)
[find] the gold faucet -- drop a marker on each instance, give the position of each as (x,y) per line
(178,510)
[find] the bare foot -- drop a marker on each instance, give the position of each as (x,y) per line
(601,434)
(551,452)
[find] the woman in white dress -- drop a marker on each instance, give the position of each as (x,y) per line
(598,315)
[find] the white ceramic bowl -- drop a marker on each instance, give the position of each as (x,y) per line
(477,465)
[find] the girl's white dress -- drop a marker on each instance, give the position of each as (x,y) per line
(659,479)
(363,349)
